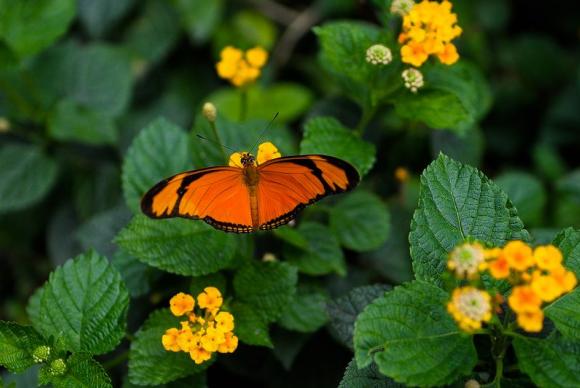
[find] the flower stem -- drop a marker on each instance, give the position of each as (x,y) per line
(367,115)
(108,365)
(243,103)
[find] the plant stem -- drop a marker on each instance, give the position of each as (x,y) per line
(116,361)
(243,103)
(367,115)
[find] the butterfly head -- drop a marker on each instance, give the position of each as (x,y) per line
(247,159)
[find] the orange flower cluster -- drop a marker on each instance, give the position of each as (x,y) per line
(428,29)
(537,275)
(203,333)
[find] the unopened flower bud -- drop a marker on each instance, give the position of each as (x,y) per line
(413,79)
(41,354)
(4,125)
(209,112)
(472,384)
(379,54)
(57,367)
(269,257)
(402,7)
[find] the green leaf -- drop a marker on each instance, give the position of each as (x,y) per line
(199,17)
(343,55)
(27,175)
(456,202)
(268,287)
(99,231)
(322,255)
(454,97)
(240,136)
(250,326)
(246,29)
(411,323)
(98,17)
(290,101)
(568,241)
(199,283)
(85,303)
(306,313)
(99,77)
(82,372)
(158,152)
(365,378)
(17,343)
(184,247)
(291,236)
(564,313)
(30,26)
(551,362)
(527,194)
(154,32)
(136,275)
(326,135)
(344,310)
(361,221)
(73,122)
(149,362)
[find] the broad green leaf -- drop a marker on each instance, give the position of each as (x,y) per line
(98,76)
(343,55)
(344,310)
(361,221)
(85,304)
(291,236)
(267,287)
(568,241)
(456,202)
(238,136)
(199,17)
(158,152)
(136,275)
(322,255)
(306,313)
(290,101)
(551,362)
(98,17)
(327,136)
(526,193)
(27,175)
(180,246)
(365,378)
(411,323)
(149,362)
(454,97)
(250,326)
(564,313)
(82,372)
(17,343)
(154,32)
(30,26)
(73,122)
(33,307)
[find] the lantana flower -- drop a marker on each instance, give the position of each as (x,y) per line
(428,29)
(470,307)
(204,332)
(241,68)
(465,259)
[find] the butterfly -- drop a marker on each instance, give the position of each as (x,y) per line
(250,193)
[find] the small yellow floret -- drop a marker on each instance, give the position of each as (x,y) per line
(210,298)
(519,255)
(267,151)
(257,56)
(531,321)
(229,345)
(524,299)
(224,321)
(169,340)
(181,304)
(547,257)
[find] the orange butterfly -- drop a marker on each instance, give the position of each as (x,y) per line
(250,194)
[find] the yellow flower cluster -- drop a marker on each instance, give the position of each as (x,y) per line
(428,29)
(203,333)
(241,68)
(537,275)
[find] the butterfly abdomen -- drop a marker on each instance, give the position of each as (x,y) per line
(252,178)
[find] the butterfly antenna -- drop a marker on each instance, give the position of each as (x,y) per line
(264,131)
(214,142)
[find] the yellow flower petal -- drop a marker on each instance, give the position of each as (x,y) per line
(236,160)
(257,56)
(267,151)
(231,54)
(181,304)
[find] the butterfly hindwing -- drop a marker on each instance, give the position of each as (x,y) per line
(289,184)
